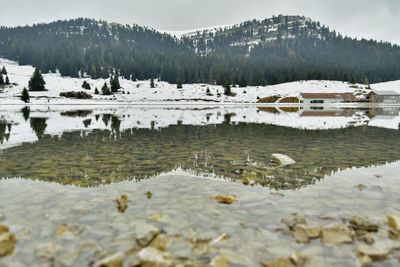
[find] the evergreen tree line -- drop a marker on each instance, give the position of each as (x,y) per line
(84,47)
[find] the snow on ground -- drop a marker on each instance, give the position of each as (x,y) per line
(389,122)
(140,91)
(191,32)
(387,86)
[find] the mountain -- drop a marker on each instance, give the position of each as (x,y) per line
(259,52)
(244,37)
(88,45)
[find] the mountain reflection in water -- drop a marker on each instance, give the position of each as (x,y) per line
(89,147)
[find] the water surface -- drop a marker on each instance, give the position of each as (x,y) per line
(88,147)
(62,168)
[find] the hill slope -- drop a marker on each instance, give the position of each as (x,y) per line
(276,50)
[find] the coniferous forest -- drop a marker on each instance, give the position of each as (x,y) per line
(275,50)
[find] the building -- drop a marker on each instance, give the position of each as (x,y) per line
(325,98)
(386,97)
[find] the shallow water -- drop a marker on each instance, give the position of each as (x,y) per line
(111,151)
(347,163)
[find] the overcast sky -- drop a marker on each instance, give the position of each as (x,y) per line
(377,19)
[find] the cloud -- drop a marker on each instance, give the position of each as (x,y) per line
(356,18)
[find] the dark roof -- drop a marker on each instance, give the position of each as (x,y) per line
(387,93)
(344,96)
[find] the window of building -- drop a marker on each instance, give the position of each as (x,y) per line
(317,101)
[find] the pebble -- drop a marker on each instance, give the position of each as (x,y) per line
(46,250)
(115,260)
(185,223)
(363,224)
(7,241)
(337,234)
(394,224)
(145,233)
(152,257)
(219,261)
(282,159)
(225,199)
(122,202)
(375,254)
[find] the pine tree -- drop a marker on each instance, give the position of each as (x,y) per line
(86,85)
(38,125)
(1,80)
(227,88)
(114,82)
(26,112)
(25,95)
(7,80)
(243,82)
(96,91)
(4,71)
(105,90)
(179,84)
(37,82)
(366,83)
(152,85)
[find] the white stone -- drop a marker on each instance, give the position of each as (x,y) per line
(282,159)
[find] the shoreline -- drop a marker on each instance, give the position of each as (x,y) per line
(205,103)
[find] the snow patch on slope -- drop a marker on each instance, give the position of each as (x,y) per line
(140,91)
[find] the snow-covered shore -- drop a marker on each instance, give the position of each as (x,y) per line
(139,92)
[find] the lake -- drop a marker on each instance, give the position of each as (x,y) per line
(63,167)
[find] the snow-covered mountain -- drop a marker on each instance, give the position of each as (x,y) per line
(253,33)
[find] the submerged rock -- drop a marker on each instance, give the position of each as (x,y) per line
(360,187)
(296,260)
(115,260)
(219,261)
(282,160)
(68,232)
(159,217)
(4,229)
(303,233)
(294,220)
(337,234)
(313,232)
(281,262)
(375,254)
(366,238)
(300,234)
(161,242)
(152,257)
(277,194)
(122,202)
(363,224)
(146,234)
(7,241)
(225,199)
(46,250)
(394,225)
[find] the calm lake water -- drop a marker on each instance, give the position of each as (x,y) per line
(66,165)
(88,147)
